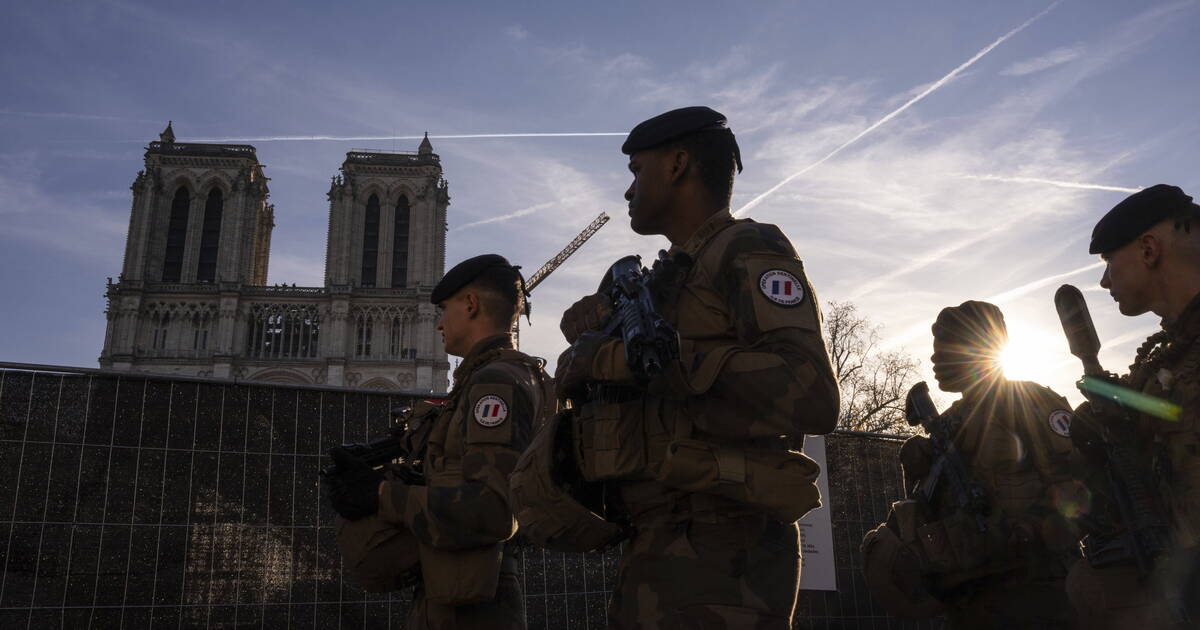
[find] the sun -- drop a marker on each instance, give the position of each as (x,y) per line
(1028,355)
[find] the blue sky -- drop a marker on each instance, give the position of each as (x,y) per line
(986,186)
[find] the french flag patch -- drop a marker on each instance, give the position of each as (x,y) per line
(781,287)
(490,410)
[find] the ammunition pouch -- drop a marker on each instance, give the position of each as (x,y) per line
(461,577)
(894,575)
(551,502)
(953,544)
(378,556)
(609,437)
(950,545)
(1100,552)
(778,482)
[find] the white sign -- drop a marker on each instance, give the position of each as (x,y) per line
(816,530)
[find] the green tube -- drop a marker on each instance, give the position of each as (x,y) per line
(1126,397)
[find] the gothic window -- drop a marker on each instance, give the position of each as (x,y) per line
(362,338)
(210,237)
(161,324)
(176,236)
(400,244)
(370,242)
(396,347)
(200,332)
(279,331)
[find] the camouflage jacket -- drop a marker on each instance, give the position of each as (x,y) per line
(1015,440)
(753,362)
(1168,367)
(753,370)
(497,397)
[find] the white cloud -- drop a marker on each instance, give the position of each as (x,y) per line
(516,32)
(896,112)
(1055,57)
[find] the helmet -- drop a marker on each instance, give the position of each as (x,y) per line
(379,556)
(893,573)
(549,499)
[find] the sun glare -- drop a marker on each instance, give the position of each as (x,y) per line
(1028,355)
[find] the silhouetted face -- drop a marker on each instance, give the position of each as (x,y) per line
(1127,278)
(958,366)
(453,316)
(649,192)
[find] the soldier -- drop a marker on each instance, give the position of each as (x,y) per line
(456,520)
(1000,560)
(1150,243)
(699,457)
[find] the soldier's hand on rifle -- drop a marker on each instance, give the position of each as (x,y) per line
(589,313)
(354,490)
(594,357)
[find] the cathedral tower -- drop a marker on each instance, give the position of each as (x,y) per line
(387,217)
(192,297)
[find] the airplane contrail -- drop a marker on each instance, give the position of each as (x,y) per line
(1037,284)
(72,116)
(452,136)
(505,217)
(1048,182)
(1004,296)
(912,101)
(538,207)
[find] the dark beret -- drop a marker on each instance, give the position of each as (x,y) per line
(972,323)
(677,123)
(464,272)
(1139,212)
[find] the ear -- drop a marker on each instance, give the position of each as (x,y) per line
(678,163)
(1151,250)
(471,302)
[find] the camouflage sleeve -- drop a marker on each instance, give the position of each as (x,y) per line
(1047,419)
(777,378)
(466,504)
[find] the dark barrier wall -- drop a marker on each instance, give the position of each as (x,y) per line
(139,502)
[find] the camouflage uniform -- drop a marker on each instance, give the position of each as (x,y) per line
(1112,596)
(462,517)
(1014,438)
(701,462)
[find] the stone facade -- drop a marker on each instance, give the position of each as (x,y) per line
(192,296)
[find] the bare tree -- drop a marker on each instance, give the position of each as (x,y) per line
(873,382)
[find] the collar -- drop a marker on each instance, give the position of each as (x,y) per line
(719,220)
(493,342)
(1187,326)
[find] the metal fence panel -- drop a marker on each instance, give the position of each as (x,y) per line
(130,501)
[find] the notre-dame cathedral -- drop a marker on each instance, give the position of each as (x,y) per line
(193,299)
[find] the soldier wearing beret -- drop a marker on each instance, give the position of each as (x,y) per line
(1001,561)
(458,515)
(703,459)
(1150,243)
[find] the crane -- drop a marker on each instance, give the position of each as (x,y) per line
(566,252)
(557,261)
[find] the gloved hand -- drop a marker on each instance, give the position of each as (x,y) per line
(594,357)
(589,313)
(354,490)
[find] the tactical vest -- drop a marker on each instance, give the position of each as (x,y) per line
(648,441)
(472,575)
(1011,442)
(1171,371)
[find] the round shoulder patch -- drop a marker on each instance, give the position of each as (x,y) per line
(1060,422)
(781,287)
(490,410)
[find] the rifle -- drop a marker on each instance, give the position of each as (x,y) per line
(947,462)
(406,441)
(650,342)
(1146,533)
